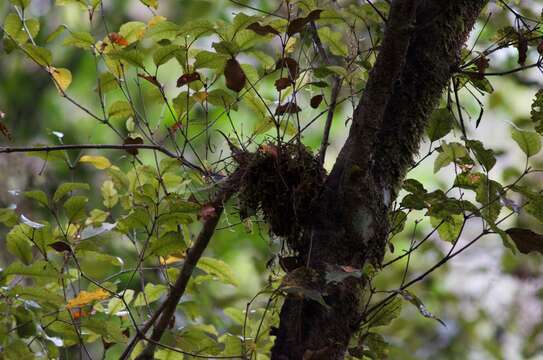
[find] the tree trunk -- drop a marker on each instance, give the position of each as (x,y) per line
(419,53)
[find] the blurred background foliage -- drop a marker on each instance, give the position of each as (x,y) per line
(490,300)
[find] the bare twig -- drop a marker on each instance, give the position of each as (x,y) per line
(165,312)
(7,150)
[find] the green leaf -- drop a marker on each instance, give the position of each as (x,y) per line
(66,188)
(387,313)
(18,244)
(211,60)
(484,156)
(163,54)
(440,124)
(183,103)
(334,40)
(450,227)
(133,57)
(39,55)
(450,152)
(39,294)
(132,31)
(56,33)
(81,39)
(38,269)
(219,269)
(488,194)
(13,27)
(16,349)
(75,207)
(537,111)
(120,110)
(8,217)
(163,30)
(152,293)
(21,3)
(528,141)
(39,196)
(108,327)
(107,82)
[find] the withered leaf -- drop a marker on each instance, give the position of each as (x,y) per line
(4,129)
(282,83)
(288,108)
(316,101)
(262,30)
(61,246)
(188,78)
(290,64)
(132,141)
(522,47)
(297,25)
(117,39)
(235,77)
(152,79)
(526,240)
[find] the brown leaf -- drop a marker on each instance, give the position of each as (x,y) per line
(313,15)
(262,30)
(188,78)
(297,25)
(61,246)
(290,64)
(117,39)
(289,263)
(152,79)
(482,64)
(283,83)
(526,240)
(235,77)
(207,212)
(269,149)
(522,47)
(288,108)
(316,101)
(132,141)
(540,48)
(4,129)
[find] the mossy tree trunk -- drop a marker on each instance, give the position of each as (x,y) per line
(419,53)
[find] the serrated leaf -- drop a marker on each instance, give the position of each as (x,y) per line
(163,30)
(163,54)
(210,60)
(38,269)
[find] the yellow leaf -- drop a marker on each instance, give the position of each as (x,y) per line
(99,162)
(171,259)
(201,96)
(62,78)
(85,298)
(155,20)
(290,46)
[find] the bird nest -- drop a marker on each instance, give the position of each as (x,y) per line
(283,182)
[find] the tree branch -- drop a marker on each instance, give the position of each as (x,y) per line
(7,150)
(165,312)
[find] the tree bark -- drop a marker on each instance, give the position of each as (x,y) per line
(419,53)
